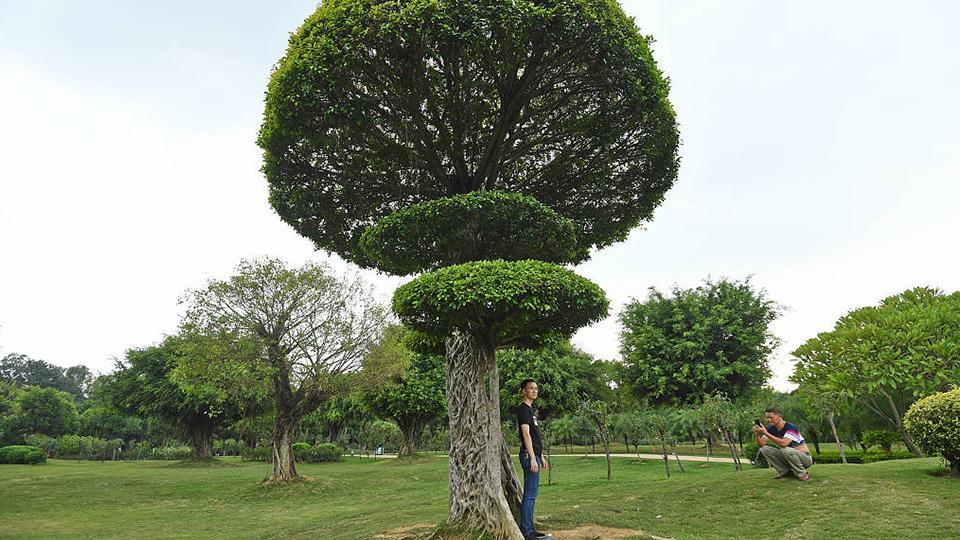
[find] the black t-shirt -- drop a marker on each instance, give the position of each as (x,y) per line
(525,415)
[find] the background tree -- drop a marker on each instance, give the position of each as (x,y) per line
(342,415)
(597,413)
(413,396)
(718,413)
(142,385)
(314,328)
(105,422)
(823,405)
(45,411)
(886,356)
(657,424)
(679,347)
(559,101)
(565,376)
(564,430)
(24,371)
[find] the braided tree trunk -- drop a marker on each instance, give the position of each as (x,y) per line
(482,477)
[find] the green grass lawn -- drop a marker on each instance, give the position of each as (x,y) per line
(359,498)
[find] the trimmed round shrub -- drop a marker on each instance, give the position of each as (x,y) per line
(934,424)
(512,298)
(320,453)
(328,452)
(23,455)
(482,225)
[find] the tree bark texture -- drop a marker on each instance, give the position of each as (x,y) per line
(479,459)
(733,449)
(833,427)
(663,451)
(199,431)
(673,447)
(606,448)
(412,429)
(284,435)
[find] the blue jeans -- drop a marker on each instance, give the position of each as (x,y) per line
(531,488)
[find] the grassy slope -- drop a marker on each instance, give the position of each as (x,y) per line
(358,498)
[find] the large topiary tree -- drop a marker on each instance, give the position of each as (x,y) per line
(483,142)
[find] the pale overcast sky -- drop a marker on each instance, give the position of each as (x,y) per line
(821,156)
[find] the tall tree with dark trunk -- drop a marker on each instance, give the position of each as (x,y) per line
(469,132)
(142,385)
(884,357)
(313,327)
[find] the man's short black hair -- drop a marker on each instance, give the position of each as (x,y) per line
(523,385)
(774,410)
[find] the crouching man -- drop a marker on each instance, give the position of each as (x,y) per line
(789,453)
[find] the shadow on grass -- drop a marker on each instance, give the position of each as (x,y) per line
(944,473)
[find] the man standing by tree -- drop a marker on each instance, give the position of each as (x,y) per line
(791,456)
(531,457)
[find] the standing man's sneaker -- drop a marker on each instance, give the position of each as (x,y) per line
(539,534)
(804,477)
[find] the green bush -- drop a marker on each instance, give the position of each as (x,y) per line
(142,450)
(45,442)
(229,447)
(72,445)
(751,451)
(22,454)
(172,453)
(883,438)
(870,456)
(320,453)
(259,453)
(934,424)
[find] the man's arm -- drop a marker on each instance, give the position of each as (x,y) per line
(782,442)
(760,438)
(528,444)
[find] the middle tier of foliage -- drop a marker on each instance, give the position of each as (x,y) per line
(512,299)
(481,225)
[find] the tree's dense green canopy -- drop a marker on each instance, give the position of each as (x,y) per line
(42,410)
(23,371)
(481,225)
(713,338)
(513,300)
(888,355)
(382,105)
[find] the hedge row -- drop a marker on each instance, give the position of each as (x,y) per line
(21,454)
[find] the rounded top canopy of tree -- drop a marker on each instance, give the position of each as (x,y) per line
(482,225)
(516,303)
(378,106)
